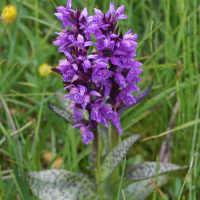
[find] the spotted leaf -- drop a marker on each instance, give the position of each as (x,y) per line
(63,113)
(148,169)
(116,155)
(64,102)
(66,115)
(141,189)
(57,184)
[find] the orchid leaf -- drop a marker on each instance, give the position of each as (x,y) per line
(116,155)
(64,102)
(56,71)
(138,98)
(60,185)
(141,189)
(63,113)
(66,115)
(148,169)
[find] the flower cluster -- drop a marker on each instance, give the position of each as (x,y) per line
(99,75)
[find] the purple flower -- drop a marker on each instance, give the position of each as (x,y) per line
(78,115)
(95,113)
(119,78)
(81,43)
(87,135)
(117,14)
(102,81)
(107,113)
(116,121)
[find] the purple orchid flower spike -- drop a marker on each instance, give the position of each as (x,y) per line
(100,81)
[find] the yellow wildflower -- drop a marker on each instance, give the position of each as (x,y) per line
(8,14)
(44,70)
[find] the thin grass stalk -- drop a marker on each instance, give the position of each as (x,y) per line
(156,71)
(178,72)
(14,36)
(2,184)
(74,148)
(189,172)
(53,145)
(120,185)
(123,195)
(156,181)
(167,32)
(196,168)
(17,185)
(194,141)
(66,153)
(195,39)
(36,138)
(36,16)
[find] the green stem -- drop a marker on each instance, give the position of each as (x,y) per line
(96,157)
(114,142)
(97,164)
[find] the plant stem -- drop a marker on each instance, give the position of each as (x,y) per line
(96,157)
(114,137)
(97,163)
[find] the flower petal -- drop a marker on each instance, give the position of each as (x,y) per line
(95,93)
(116,122)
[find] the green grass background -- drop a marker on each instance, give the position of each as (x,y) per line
(169,48)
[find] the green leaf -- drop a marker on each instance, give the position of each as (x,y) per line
(61,185)
(64,102)
(63,113)
(66,115)
(116,155)
(141,189)
(148,169)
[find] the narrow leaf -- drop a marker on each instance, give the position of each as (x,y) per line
(63,113)
(66,115)
(64,102)
(116,155)
(140,190)
(56,71)
(61,185)
(148,169)
(186,125)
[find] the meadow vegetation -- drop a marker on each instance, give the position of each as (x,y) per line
(33,137)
